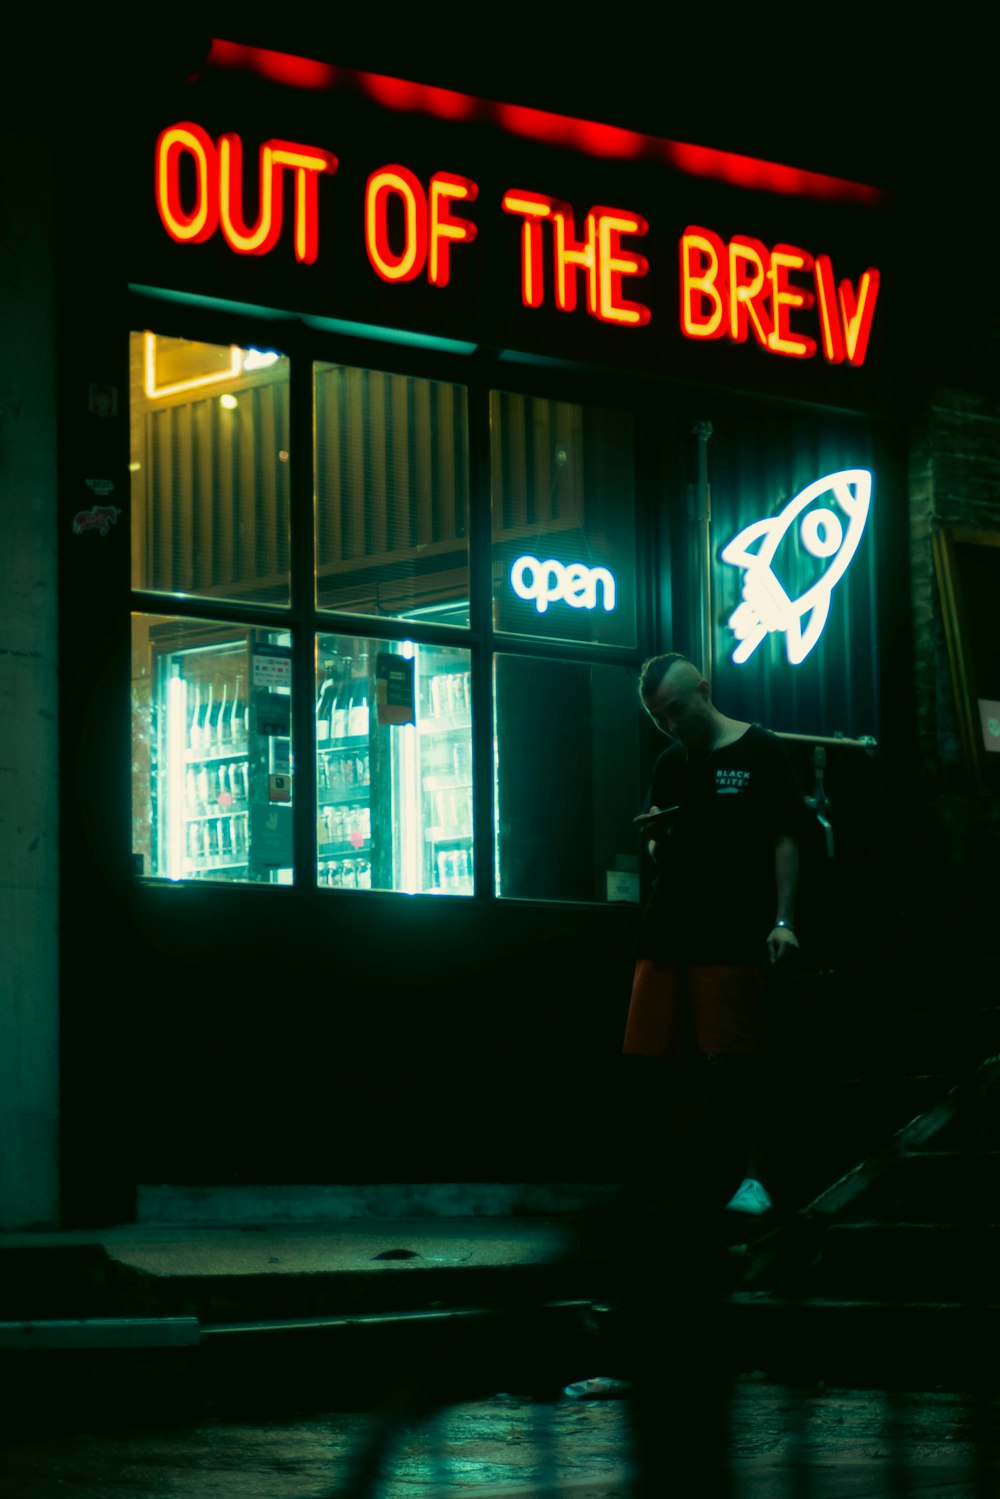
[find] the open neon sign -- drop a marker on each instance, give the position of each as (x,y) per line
(765,606)
(740,289)
(550,582)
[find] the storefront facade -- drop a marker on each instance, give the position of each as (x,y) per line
(407,427)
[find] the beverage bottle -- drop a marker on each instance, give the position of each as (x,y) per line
(194,733)
(227,719)
(358,715)
(208,724)
(340,712)
(222,718)
(324,708)
(237,718)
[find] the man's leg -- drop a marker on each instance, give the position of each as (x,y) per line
(657,1080)
(725,1006)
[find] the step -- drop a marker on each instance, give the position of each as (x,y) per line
(287,1271)
(975,1126)
(822,1128)
(862,1343)
(909,1262)
(937,1186)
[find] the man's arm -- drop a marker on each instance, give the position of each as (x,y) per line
(786,880)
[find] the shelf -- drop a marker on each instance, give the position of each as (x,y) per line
(343,849)
(358,793)
(213,756)
(446,835)
(342,742)
(223,812)
(444,725)
(190,867)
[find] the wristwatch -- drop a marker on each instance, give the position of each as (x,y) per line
(782,922)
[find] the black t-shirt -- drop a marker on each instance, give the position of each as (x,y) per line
(713,897)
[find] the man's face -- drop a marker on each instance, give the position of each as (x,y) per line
(679,707)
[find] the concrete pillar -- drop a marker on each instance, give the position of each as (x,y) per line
(29,787)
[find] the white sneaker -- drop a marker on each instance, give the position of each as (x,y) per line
(749,1197)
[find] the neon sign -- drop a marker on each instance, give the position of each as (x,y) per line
(739,289)
(550,581)
(218,190)
(429,229)
(765,605)
(600,255)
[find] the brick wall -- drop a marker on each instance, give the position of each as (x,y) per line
(954,480)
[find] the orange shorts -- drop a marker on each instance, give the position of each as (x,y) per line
(676,1011)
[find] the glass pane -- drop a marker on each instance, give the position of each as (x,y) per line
(392,495)
(210,470)
(567,753)
(394,766)
(563,497)
(211,751)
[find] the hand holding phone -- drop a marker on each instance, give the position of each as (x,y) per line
(656,821)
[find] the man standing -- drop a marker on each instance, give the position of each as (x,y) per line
(722,822)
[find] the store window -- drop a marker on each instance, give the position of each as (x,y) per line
(566,744)
(210,470)
(394,766)
(392,495)
(211,751)
(563,497)
(436,727)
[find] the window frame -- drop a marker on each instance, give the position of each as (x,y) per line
(479,373)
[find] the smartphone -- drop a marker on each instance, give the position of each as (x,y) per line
(654,820)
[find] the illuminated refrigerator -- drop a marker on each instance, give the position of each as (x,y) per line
(219,789)
(432,777)
(393,767)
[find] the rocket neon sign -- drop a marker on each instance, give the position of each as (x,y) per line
(784,299)
(765,606)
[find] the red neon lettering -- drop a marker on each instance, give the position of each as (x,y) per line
(600,254)
(573,255)
(831,337)
(399,183)
(307,163)
(614,262)
(857,310)
(749,271)
(742,286)
(219,190)
(784,295)
(534,208)
(845,316)
(238,237)
(171,144)
(702,258)
(444,228)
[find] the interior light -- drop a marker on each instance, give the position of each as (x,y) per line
(259,359)
(155,390)
(229,401)
(176,728)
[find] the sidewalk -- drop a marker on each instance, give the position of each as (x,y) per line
(279,1271)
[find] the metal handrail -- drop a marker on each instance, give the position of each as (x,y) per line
(866,741)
